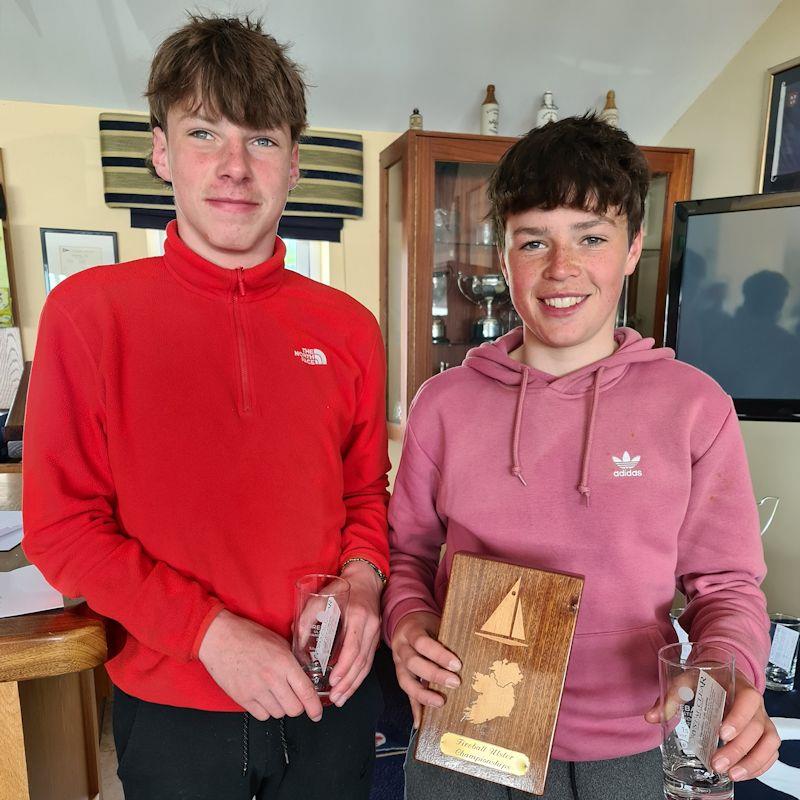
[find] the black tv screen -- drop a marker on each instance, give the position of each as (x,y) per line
(733,306)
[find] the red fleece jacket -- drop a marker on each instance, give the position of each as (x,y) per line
(199,438)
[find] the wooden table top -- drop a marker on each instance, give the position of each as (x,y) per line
(48,642)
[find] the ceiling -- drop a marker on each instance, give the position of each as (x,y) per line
(370,62)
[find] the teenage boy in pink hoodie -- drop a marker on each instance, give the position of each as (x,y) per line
(599,455)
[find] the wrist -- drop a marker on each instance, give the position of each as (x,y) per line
(363,567)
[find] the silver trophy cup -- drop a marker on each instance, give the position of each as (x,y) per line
(488,292)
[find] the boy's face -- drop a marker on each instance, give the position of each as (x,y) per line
(565,269)
(230,184)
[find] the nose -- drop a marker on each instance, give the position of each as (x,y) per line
(234,163)
(561,265)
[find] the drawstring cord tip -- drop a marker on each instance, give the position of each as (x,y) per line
(517,473)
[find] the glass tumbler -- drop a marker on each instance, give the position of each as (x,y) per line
(696,690)
(320,602)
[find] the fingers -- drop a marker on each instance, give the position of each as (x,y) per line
(434,651)
(416,712)
(256,710)
(681,690)
(752,752)
(415,690)
(358,671)
(748,704)
(270,704)
(304,691)
(350,653)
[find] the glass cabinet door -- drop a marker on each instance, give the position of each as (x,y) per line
(638,303)
(470,301)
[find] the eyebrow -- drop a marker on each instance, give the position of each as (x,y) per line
(578,226)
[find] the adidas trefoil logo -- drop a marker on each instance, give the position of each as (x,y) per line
(312,356)
(626,467)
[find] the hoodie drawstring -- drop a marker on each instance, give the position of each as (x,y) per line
(245,742)
(583,486)
(516,469)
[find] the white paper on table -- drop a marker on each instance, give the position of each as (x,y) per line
(10,539)
(784,643)
(10,519)
(24,590)
(10,530)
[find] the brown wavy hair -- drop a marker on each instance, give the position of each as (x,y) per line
(577,162)
(231,68)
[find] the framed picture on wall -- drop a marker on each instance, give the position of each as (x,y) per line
(66,252)
(780,164)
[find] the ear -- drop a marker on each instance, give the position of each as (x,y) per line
(501,255)
(634,253)
(160,155)
(294,167)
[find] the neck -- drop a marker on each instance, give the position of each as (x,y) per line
(223,257)
(558,361)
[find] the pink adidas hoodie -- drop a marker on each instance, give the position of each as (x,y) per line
(631,472)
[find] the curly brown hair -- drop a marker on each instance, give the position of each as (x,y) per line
(577,162)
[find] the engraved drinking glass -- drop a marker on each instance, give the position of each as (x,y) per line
(696,686)
(320,602)
(784,634)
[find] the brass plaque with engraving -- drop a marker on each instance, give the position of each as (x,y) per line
(512,628)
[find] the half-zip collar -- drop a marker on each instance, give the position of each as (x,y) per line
(211,280)
(492,360)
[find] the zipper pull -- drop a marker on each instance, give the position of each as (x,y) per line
(240,276)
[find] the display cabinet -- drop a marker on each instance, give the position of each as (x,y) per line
(442,290)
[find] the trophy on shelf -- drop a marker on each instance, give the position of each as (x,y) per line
(488,292)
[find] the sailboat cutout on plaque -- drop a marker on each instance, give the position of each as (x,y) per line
(505,623)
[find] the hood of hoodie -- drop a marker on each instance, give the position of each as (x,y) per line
(492,360)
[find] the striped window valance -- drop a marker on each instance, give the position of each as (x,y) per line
(331,170)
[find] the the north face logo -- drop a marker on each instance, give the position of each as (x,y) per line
(626,467)
(311,355)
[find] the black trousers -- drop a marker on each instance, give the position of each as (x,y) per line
(167,753)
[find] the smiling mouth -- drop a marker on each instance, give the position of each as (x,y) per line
(563,302)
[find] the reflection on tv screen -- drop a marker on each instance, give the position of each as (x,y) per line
(739,317)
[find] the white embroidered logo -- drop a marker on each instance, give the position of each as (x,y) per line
(311,355)
(626,467)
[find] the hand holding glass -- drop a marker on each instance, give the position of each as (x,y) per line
(696,683)
(320,603)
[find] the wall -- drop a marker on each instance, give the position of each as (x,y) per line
(51,156)
(725,125)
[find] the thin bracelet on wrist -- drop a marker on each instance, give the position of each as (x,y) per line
(375,569)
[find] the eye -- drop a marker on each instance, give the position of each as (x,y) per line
(593,241)
(264,141)
(200,134)
(533,244)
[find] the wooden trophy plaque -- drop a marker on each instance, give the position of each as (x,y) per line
(512,628)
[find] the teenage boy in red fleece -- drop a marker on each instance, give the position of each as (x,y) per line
(202,430)
(600,456)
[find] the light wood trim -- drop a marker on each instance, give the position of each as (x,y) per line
(12,432)
(678,165)
(12,283)
(13,769)
(61,753)
(51,643)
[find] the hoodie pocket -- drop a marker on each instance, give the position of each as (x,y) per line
(615,673)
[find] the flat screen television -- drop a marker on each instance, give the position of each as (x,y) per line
(733,304)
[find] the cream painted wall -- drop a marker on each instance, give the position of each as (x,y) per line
(51,158)
(725,126)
